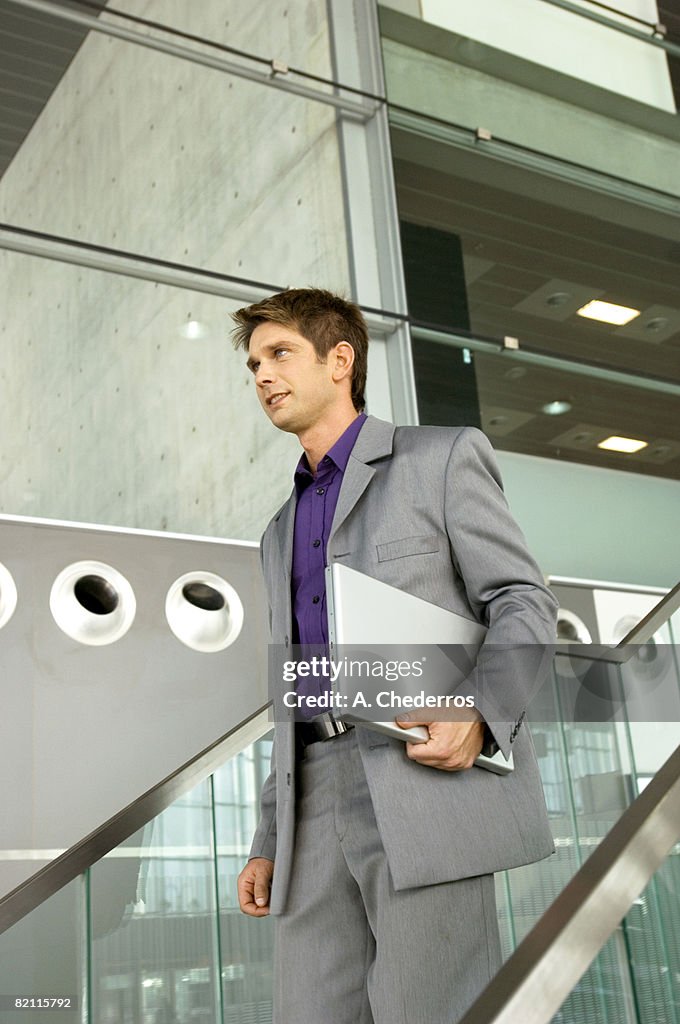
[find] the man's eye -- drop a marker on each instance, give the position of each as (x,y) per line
(281,351)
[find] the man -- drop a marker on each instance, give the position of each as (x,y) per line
(377,856)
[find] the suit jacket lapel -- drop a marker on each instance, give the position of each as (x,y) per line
(374,442)
(285,527)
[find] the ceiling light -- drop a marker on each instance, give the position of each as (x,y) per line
(657,323)
(622,444)
(558,299)
(608,312)
(556,408)
(193,330)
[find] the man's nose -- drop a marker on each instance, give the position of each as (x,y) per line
(264,374)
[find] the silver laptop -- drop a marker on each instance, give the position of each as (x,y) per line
(366,614)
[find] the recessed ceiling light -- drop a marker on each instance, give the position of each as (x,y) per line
(558,299)
(622,444)
(556,408)
(608,312)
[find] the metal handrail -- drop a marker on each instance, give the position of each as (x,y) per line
(660,614)
(545,967)
(640,634)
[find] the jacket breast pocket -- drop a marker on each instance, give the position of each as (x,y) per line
(408,546)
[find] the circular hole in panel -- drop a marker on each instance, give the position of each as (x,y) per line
(650,659)
(204,611)
(571,629)
(8,595)
(649,652)
(96,595)
(203,596)
(92,603)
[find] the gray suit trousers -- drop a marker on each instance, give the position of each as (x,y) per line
(351,950)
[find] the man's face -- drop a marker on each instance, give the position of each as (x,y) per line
(295,390)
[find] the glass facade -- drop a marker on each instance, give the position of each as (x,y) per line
(165,182)
(527,198)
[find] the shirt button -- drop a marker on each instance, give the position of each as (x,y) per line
(316,543)
(321,490)
(316,599)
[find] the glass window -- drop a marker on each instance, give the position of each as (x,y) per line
(484,263)
(211,170)
(128,405)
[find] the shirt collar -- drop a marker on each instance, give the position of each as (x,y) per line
(339,454)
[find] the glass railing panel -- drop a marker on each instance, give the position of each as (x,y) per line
(600,793)
(138,938)
(654,960)
(652,927)
(246,943)
(532,889)
(591,771)
(632,977)
(667,968)
(162,951)
(154,948)
(43,958)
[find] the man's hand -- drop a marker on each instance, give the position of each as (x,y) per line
(452,746)
(253,886)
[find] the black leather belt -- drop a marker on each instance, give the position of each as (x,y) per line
(323,727)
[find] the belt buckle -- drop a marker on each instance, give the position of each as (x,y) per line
(327,727)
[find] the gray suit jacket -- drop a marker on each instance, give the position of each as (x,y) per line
(422,508)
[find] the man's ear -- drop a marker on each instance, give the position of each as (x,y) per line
(343,360)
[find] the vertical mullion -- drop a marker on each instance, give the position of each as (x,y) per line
(216,888)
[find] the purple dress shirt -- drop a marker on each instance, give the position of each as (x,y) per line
(317,497)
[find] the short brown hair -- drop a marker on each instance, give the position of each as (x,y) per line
(321,317)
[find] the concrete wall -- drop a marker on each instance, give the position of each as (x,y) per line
(109,413)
